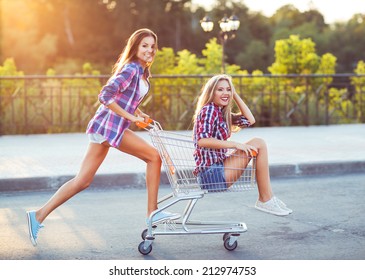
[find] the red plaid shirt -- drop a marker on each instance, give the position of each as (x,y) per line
(210,124)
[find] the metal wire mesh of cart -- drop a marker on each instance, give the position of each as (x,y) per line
(191,181)
(178,154)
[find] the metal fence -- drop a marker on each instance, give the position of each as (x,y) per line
(44,104)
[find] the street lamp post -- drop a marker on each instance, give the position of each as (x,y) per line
(228,27)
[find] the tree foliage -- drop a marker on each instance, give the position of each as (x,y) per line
(64,34)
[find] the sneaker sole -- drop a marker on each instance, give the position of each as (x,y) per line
(274,213)
(289,210)
(286,209)
(34,242)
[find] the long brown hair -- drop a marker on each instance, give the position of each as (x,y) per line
(207,96)
(129,52)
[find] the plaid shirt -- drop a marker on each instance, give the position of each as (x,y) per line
(210,124)
(123,88)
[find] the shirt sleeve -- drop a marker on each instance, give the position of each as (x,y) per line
(117,84)
(240,121)
(205,123)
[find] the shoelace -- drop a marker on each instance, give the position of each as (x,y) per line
(279,201)
(38,227)
(282,205)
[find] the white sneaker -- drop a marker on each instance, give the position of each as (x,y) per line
(271,207)
(282,205)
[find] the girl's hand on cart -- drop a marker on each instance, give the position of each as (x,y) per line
(248,149)
(143,122)
(140,114)
(144,116)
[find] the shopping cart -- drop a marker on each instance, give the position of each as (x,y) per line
(177,153)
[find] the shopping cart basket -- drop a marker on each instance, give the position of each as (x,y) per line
(177,153)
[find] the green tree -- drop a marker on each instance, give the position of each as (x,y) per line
(358,97)
(187,63)
(164,61)
(254,57)
(212,57)
(9,68)
(347,42)
(295,56)
(63,34)
(21,35)
(9,90)
(298,56)
(327,64)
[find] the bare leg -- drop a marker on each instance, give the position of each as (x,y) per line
(262,168)
(136,146)
(95,155)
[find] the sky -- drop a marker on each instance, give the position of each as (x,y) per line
(332,10)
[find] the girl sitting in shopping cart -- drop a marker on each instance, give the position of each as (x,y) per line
(213,124)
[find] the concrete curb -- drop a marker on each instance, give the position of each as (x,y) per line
(127,180)
(317,169)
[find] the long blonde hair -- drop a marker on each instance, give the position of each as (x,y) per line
(129,52)
(207,96)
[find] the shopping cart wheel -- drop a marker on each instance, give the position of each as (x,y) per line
(228,246)
(144,251)
(226,235)
(144,234)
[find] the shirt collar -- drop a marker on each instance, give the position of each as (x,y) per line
(141,70)
(216,106)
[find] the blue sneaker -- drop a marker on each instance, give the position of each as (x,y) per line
(163,216)
(33,227)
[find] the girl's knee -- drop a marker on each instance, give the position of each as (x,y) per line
(259,143)
(154,157)
(82,183)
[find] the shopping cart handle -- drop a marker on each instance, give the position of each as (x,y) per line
(254,153)
(144,124)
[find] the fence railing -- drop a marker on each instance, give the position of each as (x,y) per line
(53,104)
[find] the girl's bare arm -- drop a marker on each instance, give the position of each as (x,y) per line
(245,111)
(123,113)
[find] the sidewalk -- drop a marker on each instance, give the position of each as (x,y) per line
(41,162)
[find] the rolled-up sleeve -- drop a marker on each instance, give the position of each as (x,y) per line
(117,84)
(205,122)
(240,121)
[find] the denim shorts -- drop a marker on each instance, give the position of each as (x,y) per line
(213,179)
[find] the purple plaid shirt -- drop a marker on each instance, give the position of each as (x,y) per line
(210,124)
(123,89)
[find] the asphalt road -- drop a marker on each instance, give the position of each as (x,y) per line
(106,224)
